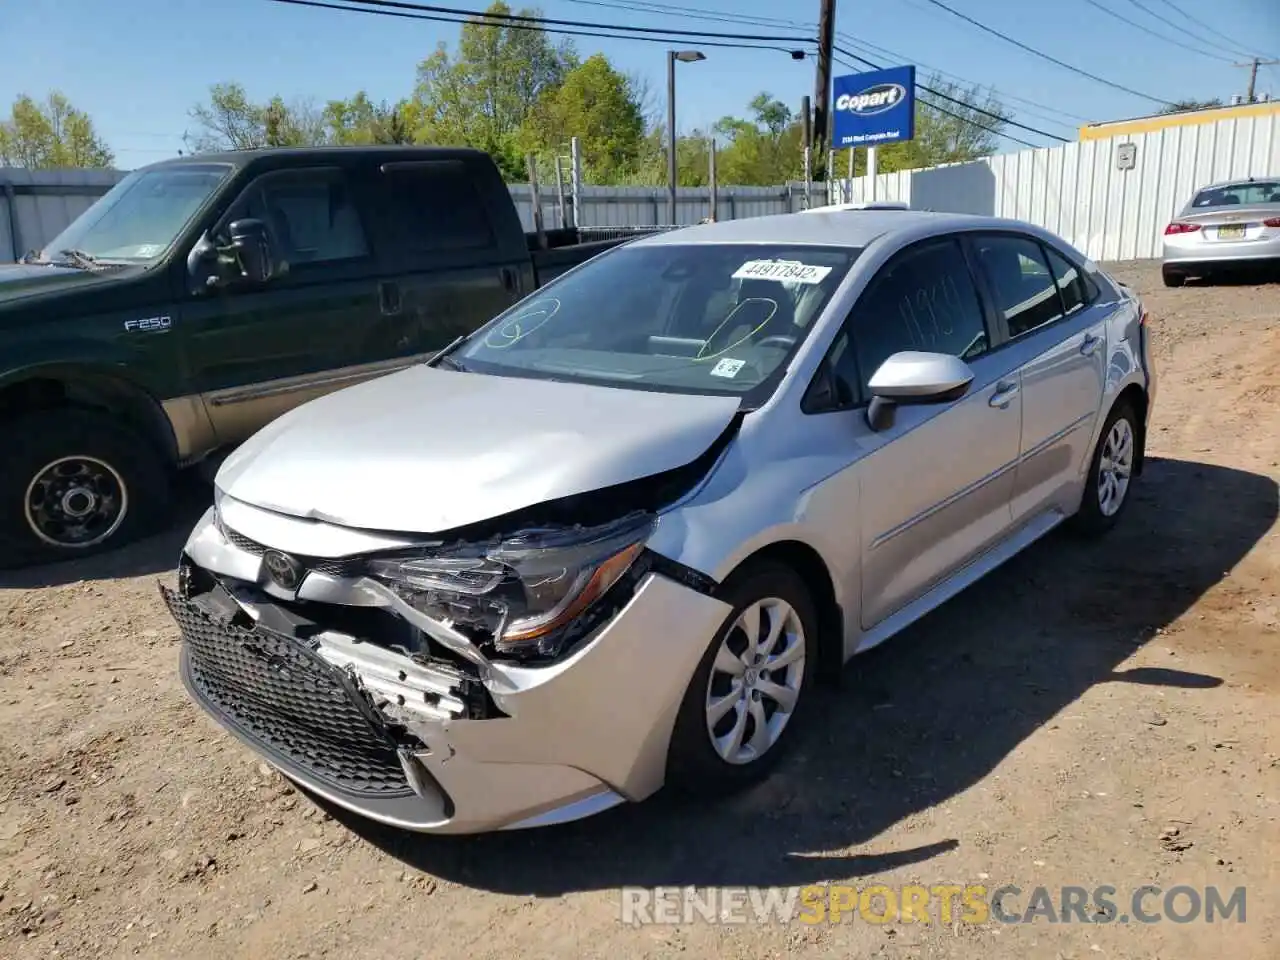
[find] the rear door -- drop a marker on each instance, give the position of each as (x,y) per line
(1055,322)
(455,262)
(255,351)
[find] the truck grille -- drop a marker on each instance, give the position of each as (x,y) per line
(304,713)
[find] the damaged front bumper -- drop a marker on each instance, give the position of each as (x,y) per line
(438,737)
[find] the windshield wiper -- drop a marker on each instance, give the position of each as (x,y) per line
(442,357)
(78,258)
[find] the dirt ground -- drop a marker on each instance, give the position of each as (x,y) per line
(1091,714)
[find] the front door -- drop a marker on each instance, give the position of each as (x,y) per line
(1057,332)
(255,352)
(934,487)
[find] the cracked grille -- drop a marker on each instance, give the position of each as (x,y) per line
(283,697)
(340,567)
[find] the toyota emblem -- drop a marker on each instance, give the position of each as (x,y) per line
(283,569)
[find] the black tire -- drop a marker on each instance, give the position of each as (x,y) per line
(120,468)
(1092,520)
(1172,278)
(693,765)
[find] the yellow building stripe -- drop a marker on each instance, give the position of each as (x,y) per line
(1104,131)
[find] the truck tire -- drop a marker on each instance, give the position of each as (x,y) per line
(74,483)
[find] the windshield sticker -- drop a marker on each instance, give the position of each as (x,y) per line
(783,270)
(147,250)
(727,368)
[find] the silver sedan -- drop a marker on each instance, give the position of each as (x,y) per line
(611,540)
(1225,226)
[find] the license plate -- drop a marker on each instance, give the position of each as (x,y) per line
(1233,232)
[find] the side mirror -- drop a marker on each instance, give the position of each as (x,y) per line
(251,246)
(913,377)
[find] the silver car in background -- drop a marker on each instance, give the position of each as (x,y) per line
(1225,226)
(610,541)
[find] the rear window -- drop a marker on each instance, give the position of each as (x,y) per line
(436,206)
(1267,191)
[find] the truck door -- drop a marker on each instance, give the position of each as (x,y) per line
(454,266)
(256,351)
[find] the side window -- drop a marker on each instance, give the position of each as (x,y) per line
(924,299)
(310,214)
(1023,287)
(1078,290)
(436,207)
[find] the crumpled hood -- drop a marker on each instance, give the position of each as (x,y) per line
(426,450)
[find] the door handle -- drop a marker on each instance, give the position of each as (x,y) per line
(389,298)
(1005,392)
(1089,345)
(510,279)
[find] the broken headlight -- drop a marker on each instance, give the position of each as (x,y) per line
(522,591)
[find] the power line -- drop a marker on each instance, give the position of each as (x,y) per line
(1044,56)
(513,18)
(1159,36)
(956,116)
(472,17)
(968,106)
(523,22)
(702,13)
(884,51)
(1235,48)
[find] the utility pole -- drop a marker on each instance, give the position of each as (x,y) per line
(822,79)
(1253,66)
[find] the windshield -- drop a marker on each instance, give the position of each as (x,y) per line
(695,318)
(1236,193)
(138,218)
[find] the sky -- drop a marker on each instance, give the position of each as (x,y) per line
(138,66)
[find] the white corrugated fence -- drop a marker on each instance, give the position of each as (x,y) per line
(1079,191)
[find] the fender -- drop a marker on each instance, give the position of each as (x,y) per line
(96,375)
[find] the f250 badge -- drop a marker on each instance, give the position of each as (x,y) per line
(148,324)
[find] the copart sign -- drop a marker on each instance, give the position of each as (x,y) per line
(873,108)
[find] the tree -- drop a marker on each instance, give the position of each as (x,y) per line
(1186,106)
(483,95)
(598,105)
(766,149)
(359,120)
(50,134)
(231,121)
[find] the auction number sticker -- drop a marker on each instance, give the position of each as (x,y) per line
(792,270)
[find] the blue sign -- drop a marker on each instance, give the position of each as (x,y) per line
(874,108)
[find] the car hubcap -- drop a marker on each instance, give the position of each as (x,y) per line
(755,681)
(1114,467)
(76,502)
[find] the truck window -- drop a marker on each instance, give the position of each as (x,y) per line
(434,205)
(310,214)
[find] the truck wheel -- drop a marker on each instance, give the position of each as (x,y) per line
(76,482)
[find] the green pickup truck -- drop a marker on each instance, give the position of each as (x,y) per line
(206,295)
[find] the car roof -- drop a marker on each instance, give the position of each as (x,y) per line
(840,228)
(386,152)
(1238,182)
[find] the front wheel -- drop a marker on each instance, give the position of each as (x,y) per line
(1110,478)
(73,483)
(739,710)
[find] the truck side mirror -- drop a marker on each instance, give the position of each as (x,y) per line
(251,245)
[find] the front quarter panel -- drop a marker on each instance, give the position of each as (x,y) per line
(776,482)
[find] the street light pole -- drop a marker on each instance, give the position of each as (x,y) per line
(684,56)
(671,137)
